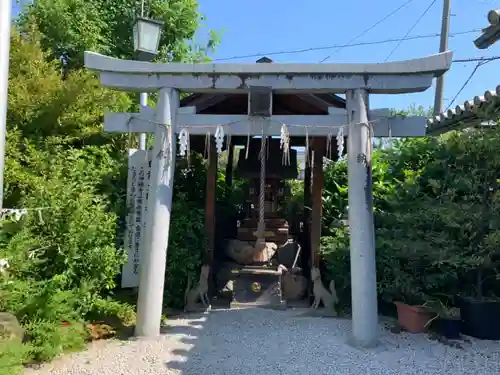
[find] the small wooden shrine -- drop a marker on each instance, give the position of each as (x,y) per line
(275,195)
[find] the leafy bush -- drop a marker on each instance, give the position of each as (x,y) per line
(13,356)
(50,338)
(335,253)
(65,255)
(62,254)
(436,217)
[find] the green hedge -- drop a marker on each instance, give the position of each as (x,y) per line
(437,218)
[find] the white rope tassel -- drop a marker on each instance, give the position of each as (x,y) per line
(219,138)
(285,145)
(183,142)
(340,142)
(185,146)
(16,213)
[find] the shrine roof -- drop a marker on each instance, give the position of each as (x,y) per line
(283,104)
(475,112)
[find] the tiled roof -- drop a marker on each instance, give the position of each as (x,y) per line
(471,113)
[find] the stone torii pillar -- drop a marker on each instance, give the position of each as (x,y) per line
(361,226)
(152,269)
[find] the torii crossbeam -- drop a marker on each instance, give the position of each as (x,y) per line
(354,80)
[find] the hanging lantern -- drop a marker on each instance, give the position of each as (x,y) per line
(147,34)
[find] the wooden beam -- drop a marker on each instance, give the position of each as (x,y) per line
(210,204)
(230,165)
(307,200)
(298,125)
(316,200)
(203,102)
(316,101)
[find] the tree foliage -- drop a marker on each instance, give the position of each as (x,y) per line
(66,254)
(70,27)
(60,167)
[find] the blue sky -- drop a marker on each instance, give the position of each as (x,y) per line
(261,26)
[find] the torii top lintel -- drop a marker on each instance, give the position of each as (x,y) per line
(382,78)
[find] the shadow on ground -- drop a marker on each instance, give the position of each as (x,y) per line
(251,341)
(260,341)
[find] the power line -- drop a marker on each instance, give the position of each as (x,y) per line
(478,65)
(368,30)
(477,59)
(411,28)
(310,49)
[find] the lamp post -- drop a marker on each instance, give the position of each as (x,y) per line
(147,33)
(5,25)
(491,34)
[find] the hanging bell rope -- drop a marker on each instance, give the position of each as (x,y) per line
(261,226)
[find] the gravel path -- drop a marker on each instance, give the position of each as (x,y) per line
(259,341)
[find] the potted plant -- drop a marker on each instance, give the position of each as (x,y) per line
(480,313)
(479,306)
(446,320)
(463,233)
(477,223)
(413,318)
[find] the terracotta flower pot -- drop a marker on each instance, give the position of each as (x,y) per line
(412,318)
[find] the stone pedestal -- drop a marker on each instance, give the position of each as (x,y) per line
(254,286)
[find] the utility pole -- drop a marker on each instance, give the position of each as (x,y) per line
(5,25)
(443,47)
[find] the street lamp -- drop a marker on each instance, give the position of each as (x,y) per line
(147,34)
(491,34)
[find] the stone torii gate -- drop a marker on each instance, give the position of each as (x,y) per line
(356,81)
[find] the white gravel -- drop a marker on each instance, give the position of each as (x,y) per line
(260,341)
